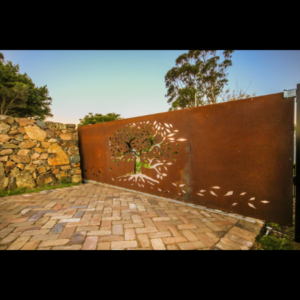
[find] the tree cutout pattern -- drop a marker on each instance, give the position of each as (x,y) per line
(230,193)
(157,142)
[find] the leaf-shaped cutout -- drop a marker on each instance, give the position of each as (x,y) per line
(179,194)
(265,201)
(125,179)
(174,184)
(215,187)
(158,128)
(154,123)
(229,193)
(181,185)
(159,190)
(157,176)
(234,204)
(183,191)
(113,179)
(147,122)
(243,193)
(165,168)
(139,185)
(158,160)
(171,125)
(171,134)
(251,199)
(164,174)
(171,139)
(251,205)
(200,194)
(213,193)
(202,191)
(181,140)
(167,125)
(169,163)
(168,130)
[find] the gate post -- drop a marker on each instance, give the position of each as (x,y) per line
(297,179)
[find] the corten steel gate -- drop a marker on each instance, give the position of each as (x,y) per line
(235,156)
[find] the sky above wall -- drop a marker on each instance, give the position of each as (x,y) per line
(131,83)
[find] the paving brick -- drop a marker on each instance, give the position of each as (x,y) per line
(50,224)
(44,237)
(105,225)
(184,220)
(4,232)
(25,228)
(136,219)
(68,232)
(160,234)
(230,243)
(30,245)
(223,246)
(160,225)
(3,247)
(76,224)
(95,221)
(87,228)
(130,234)
(134,225)
(117,229)
(143,240)
(90,243)
(123,244)
(186,226)
(208,242)
(191,245)
(161,219)
(146,230)
(77,238)
(58,228)
(191,237)
(244,234)
(239,240)
(10,238)
(172,247)
(52,243)
(174,230)
(158,244)
(73,247)
(19,225)
(103,246)
(213,226)
(99,232)
(174,240)
(18,243)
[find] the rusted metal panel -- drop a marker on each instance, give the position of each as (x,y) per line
(234,156)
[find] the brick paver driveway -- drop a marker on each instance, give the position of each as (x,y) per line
(97,216)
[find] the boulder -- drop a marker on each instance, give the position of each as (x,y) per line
(74,159)
(60,126)
(23,152)
(73,151)
(4,158)
(19,137)
(31,167)
(6,152)
(38,162)
(9,166)
(45,144)
(24,178)
(60,157)
(75,136)
(35,133)
(41,124)
(7,119)
(20,166)
(15,142)
(44,156)
(52,140)
(62,174)
(4,138)
(25,122)
(28,144)
(49,132)
(22,159)
(45,178)
(13,132)
(65,136)
(64,168)
(40,150)
(12,185)
(9,146)
(41,169)
(4,128)
(76,178)
(72,143)
(55,171)
(21,130)
(35,156)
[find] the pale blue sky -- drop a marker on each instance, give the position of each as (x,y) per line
(131,83)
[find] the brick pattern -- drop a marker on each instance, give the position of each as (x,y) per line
(100,217)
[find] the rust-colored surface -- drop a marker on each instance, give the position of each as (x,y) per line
(235,156)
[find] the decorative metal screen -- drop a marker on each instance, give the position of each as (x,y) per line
(235,156)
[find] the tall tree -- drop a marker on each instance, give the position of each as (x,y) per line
(98,118)
(198,78)
(19,97)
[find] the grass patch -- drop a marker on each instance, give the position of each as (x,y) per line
(278,238)
(60,184)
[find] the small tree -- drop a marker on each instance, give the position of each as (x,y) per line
(19,97)
(198,79)
(153,141)
(236,94)
(98,118)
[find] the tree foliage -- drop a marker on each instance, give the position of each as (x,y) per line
(19,97)
(98,118)
(236,94)
(198,78)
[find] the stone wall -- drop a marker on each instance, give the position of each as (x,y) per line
(35,153)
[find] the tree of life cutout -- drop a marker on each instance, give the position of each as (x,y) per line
(158,143)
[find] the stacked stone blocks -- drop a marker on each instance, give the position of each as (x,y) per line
(35,153)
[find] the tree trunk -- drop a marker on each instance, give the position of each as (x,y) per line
(136,160)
